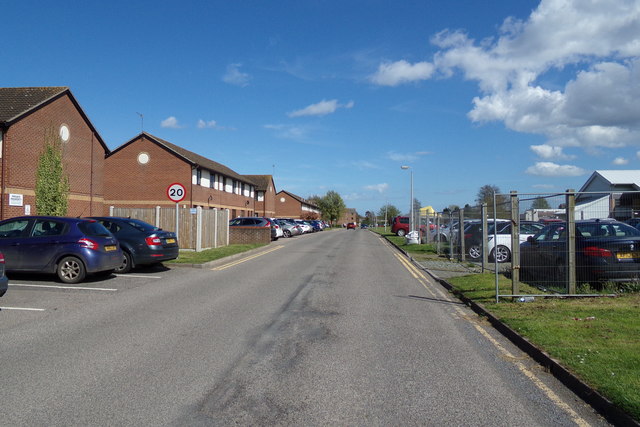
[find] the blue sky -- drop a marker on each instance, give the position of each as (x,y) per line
(531,96)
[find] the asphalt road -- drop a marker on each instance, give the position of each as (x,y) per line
(333,328)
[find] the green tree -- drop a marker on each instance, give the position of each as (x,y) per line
(331,205)
(52,182)
(540,203)
(486,194)
(388,211)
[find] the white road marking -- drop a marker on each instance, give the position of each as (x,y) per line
(62,287)
(22,308)
(138,275)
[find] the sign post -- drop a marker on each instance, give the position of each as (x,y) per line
(176,193)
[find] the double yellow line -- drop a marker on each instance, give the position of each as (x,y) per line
(418,275)
(240,261)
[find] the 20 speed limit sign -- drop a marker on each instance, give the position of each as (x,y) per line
(176,192)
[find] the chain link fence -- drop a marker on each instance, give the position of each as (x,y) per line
(565,243)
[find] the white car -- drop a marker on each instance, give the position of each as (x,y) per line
(279,230)
(503,246)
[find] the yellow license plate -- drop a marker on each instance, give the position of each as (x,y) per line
(628,255)
(109,248)
(171,240)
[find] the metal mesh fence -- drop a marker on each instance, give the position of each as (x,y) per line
(563,243)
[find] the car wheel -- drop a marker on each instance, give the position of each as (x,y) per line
(475,251)
(502,252)
(71,270)
(287,233)
(126,265)
(401,233)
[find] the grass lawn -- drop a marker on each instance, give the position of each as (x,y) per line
(192,257)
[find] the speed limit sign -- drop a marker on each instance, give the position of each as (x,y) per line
(176,192)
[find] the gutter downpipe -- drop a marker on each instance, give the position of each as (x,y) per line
(3,134)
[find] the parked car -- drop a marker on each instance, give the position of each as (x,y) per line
(278,227)
(502,246)
(289,228)
(306,227)
(4,281)
(351,226)
(473,236)
(317,225)
(253,222)
(606,250)
(68,247)
(400,226)
(141,242)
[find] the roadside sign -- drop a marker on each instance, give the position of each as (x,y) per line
(176,192)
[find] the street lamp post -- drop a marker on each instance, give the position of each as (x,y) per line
(411,218)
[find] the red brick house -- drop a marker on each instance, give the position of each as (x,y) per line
(349,215)
(140,171)
(288,205)
(27,114)
(265,195)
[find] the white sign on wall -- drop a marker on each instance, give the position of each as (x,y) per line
(16,199)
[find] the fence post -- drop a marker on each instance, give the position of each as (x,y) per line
(227,226)
(198,228)
(157,216)
(515,244)
(571,241)
(485,237)
(438,222)
(215,227)
(461,233)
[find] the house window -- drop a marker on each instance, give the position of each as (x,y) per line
(198,176)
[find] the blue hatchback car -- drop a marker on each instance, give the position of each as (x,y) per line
(68,247)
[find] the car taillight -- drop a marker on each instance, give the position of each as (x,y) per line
(153,241)
(597,252)
(1,258)
(89,244)
(467,236)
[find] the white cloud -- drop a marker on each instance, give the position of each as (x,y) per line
(544,186)
(549,152)
(380,188)
(568,72)
(233,76)
(399,72)
(406,157)
(170,122)
(553,169)
(288,132)
(321,108)
(207,124)
(363,164)
(620,161)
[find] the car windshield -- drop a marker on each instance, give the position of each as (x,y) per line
(606,230)
(93,229)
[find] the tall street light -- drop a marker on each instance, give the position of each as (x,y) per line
(411,219)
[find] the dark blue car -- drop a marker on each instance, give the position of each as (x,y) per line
(141,242)
(68,247)
(4,282)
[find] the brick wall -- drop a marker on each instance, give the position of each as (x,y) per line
(239,236)
(83,158)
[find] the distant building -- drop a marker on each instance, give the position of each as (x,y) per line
(349,215)
(140,171)
(623,198)
(27,114)
(265,195)
(289,205)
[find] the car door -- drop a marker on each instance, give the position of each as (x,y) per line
(12,236)
(43,244)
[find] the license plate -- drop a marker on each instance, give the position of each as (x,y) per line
(110,248)
(627,255)
(171,240)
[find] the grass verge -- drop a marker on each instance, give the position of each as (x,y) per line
(192,257)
